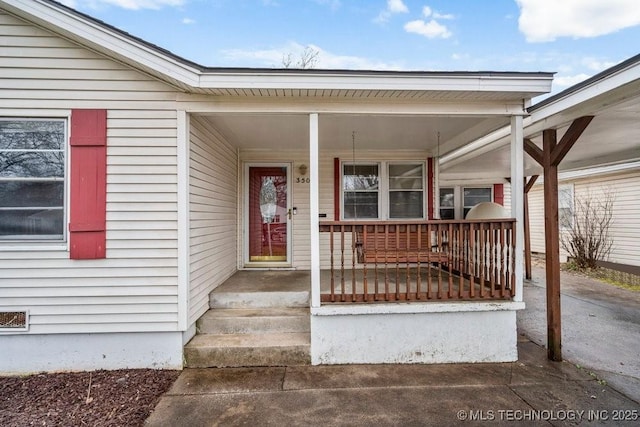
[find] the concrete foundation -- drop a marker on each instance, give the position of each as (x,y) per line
(416,333)
(21,354)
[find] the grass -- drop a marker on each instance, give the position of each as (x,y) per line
(613,277)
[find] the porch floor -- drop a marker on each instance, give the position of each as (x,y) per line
(248,281)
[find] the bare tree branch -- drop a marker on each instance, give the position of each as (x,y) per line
(588,239)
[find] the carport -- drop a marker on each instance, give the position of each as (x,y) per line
(594,123)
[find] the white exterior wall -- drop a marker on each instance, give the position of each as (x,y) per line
(467,332)
(135,288)
(213,214)
(301,250)
(625,228)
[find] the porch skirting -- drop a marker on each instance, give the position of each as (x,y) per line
(30,353)
(465,332)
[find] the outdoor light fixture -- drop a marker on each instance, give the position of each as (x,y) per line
(302,169)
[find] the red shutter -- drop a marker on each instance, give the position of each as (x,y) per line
(498,194)
(87,223)
(336,189)
(430,189)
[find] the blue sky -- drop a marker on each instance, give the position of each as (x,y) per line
(574,38)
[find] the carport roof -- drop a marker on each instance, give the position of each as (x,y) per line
(612,97)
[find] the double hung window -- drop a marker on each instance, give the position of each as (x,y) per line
(473,196)
(565,206)
(457,201)
(32,179)
(383,190)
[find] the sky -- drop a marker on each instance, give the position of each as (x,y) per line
(573,38)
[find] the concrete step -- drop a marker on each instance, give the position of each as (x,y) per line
(258,299)
(256,320)
(237,350)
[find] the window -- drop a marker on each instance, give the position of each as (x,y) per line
(406,191)
(473,196)
(447,203)
(565,206)
(32,172)
(385,190)
(360,191)
(456,201)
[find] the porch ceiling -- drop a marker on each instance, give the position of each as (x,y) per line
(372,131)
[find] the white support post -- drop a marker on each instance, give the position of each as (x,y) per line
(517,199)
(314,192)
(182,142)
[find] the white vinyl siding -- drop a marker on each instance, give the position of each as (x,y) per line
(213,214)
(625,228)
(135,288)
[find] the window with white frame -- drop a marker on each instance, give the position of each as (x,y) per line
(565,205)
(457,201)
(447,203)
(471,196)
(383,190)
(32,179)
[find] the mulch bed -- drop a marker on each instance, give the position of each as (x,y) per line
(98,398)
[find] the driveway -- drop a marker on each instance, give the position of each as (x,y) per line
(600,327)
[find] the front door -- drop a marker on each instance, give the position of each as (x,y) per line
(268,212)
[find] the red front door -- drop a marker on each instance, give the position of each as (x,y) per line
(268,214)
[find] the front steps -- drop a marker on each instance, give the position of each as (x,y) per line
(252,329)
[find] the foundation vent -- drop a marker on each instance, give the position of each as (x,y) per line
(13,321)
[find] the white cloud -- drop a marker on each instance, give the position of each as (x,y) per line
(397,6)
(125,4)
(188,21)
(563,82)
(431,30)
(272,58)
(437,15)
(393,7)
(597,66)
(546,20)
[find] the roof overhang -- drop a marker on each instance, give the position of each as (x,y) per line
(189,77)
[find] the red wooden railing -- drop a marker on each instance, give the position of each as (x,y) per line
(417,260)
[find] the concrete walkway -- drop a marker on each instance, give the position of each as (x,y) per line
(600,327)
(532,390)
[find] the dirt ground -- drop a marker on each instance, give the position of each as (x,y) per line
(98,398)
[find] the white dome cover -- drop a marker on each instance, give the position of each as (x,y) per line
(487,210)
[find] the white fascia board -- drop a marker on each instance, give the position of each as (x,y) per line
(69,24)
(590,172)
(548,116)
(489,142)
(585,94)
(386,106)
(534,85)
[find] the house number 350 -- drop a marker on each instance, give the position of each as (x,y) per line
(302,180)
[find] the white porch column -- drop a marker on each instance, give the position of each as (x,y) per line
(183,126)
(517,199)
(314,209)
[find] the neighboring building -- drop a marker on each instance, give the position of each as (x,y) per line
(621,182)
(134,182)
